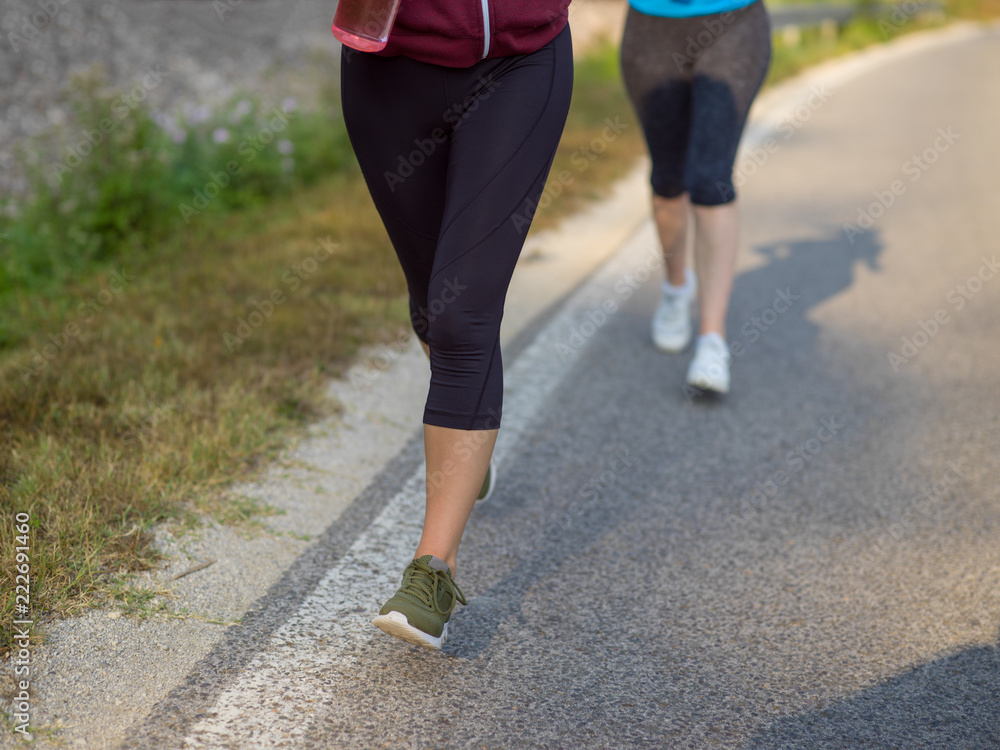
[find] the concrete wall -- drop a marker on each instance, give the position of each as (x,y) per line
(194,51)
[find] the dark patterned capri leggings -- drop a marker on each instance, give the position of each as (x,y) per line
(455,160)
(692,81)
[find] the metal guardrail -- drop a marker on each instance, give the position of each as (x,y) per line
(784,16)
(814,14)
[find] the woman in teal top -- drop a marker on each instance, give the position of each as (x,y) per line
(692,70)
(686,9)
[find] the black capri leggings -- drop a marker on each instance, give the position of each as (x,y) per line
(454,159)
(692,81)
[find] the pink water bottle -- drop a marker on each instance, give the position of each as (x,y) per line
(364,24)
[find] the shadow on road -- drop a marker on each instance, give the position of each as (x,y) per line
(774,347)
(952,703)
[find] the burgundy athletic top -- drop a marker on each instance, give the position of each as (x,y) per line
(460,33)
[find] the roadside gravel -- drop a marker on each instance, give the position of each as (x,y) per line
(98,674)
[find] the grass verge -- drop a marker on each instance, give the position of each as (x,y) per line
(137,387)
(146,367)
(794,50)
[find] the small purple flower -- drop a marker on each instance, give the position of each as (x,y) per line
(285,147)
(198,114)
(242,109)
(220,135)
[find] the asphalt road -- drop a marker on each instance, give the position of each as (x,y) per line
(812,562)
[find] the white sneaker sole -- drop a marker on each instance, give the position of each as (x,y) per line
(704,382)
(396,625)
(674,345)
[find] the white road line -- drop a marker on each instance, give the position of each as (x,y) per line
(271,702)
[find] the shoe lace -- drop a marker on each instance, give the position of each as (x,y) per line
(713,348)
(671,306)
(424,582)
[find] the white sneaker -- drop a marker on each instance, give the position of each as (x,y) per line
(709,370)
(672,319)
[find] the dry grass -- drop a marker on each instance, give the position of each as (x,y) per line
(167,379)
(157,400)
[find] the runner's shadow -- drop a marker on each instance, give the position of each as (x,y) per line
(950,703)
(778,353)
(822,266)
(770,304)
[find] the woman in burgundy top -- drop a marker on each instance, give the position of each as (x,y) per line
(455,124)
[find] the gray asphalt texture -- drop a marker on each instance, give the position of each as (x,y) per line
(810,562)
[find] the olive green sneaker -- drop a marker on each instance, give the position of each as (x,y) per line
(420,610)
(487,490)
